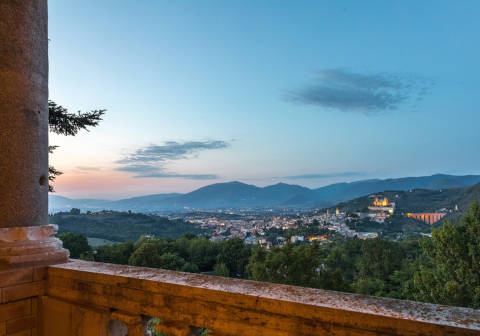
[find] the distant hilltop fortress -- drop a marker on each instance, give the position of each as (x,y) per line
(381,209)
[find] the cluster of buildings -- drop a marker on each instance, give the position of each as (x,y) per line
(381,209)
(254,228)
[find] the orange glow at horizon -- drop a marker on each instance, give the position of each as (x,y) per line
(113,184)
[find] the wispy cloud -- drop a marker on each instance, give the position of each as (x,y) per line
(367,93)
(324,175)
(151,160)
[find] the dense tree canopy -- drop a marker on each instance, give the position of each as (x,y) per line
(234,255)
(292,265)
(75,243)
(452,272)
(122,226)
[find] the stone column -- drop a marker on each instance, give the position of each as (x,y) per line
(25,236)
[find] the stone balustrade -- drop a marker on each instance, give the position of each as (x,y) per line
(85,298)
(81,298)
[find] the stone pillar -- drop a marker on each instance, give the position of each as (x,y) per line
(25,236)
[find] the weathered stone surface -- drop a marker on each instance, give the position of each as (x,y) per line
(18,292)
(39,273)
(25,238)
(13,277)
(117,328)
(239,307)
(27,233)
(22,333)
(30,246)
(22,324)
(61,318)
(19,249)
(15,310)
(23,112)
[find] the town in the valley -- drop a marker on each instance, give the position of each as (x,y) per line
(273,227)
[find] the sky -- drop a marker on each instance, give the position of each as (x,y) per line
(301,92)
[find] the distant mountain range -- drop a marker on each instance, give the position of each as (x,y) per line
(241,195)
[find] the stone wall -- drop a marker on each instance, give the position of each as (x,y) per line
(87,298)
(20,292)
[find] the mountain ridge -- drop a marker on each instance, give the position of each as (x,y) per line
(237,194)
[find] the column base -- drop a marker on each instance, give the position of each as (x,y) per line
(30,246)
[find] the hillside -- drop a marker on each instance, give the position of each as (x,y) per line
(420,200)
(346,191)
(121,226)
(399,226)
(241,195)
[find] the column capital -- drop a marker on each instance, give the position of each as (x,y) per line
(29,246)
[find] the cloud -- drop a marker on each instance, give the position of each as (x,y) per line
(366,93)
(151,161)
(324,176)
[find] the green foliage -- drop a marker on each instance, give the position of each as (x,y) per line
(372,266)
(121,226)
(64,123)
(190,268)
(402,280)
(171,261)
(146,255)
(115,254)
(340,265)
(151,326)
(452,274)
(221,270)
(75,211)
(188,254)
(201,252)
(379,259)
(75,243)
(52,171)
(155,321)
(234,254)
(294,265)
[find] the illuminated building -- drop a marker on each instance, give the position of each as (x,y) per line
(427,217)
(382,205)
(381,209)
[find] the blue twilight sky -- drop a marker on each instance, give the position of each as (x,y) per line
(305,92)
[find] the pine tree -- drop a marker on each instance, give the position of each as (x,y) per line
(64,123)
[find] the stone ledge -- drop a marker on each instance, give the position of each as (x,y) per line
(240,307)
